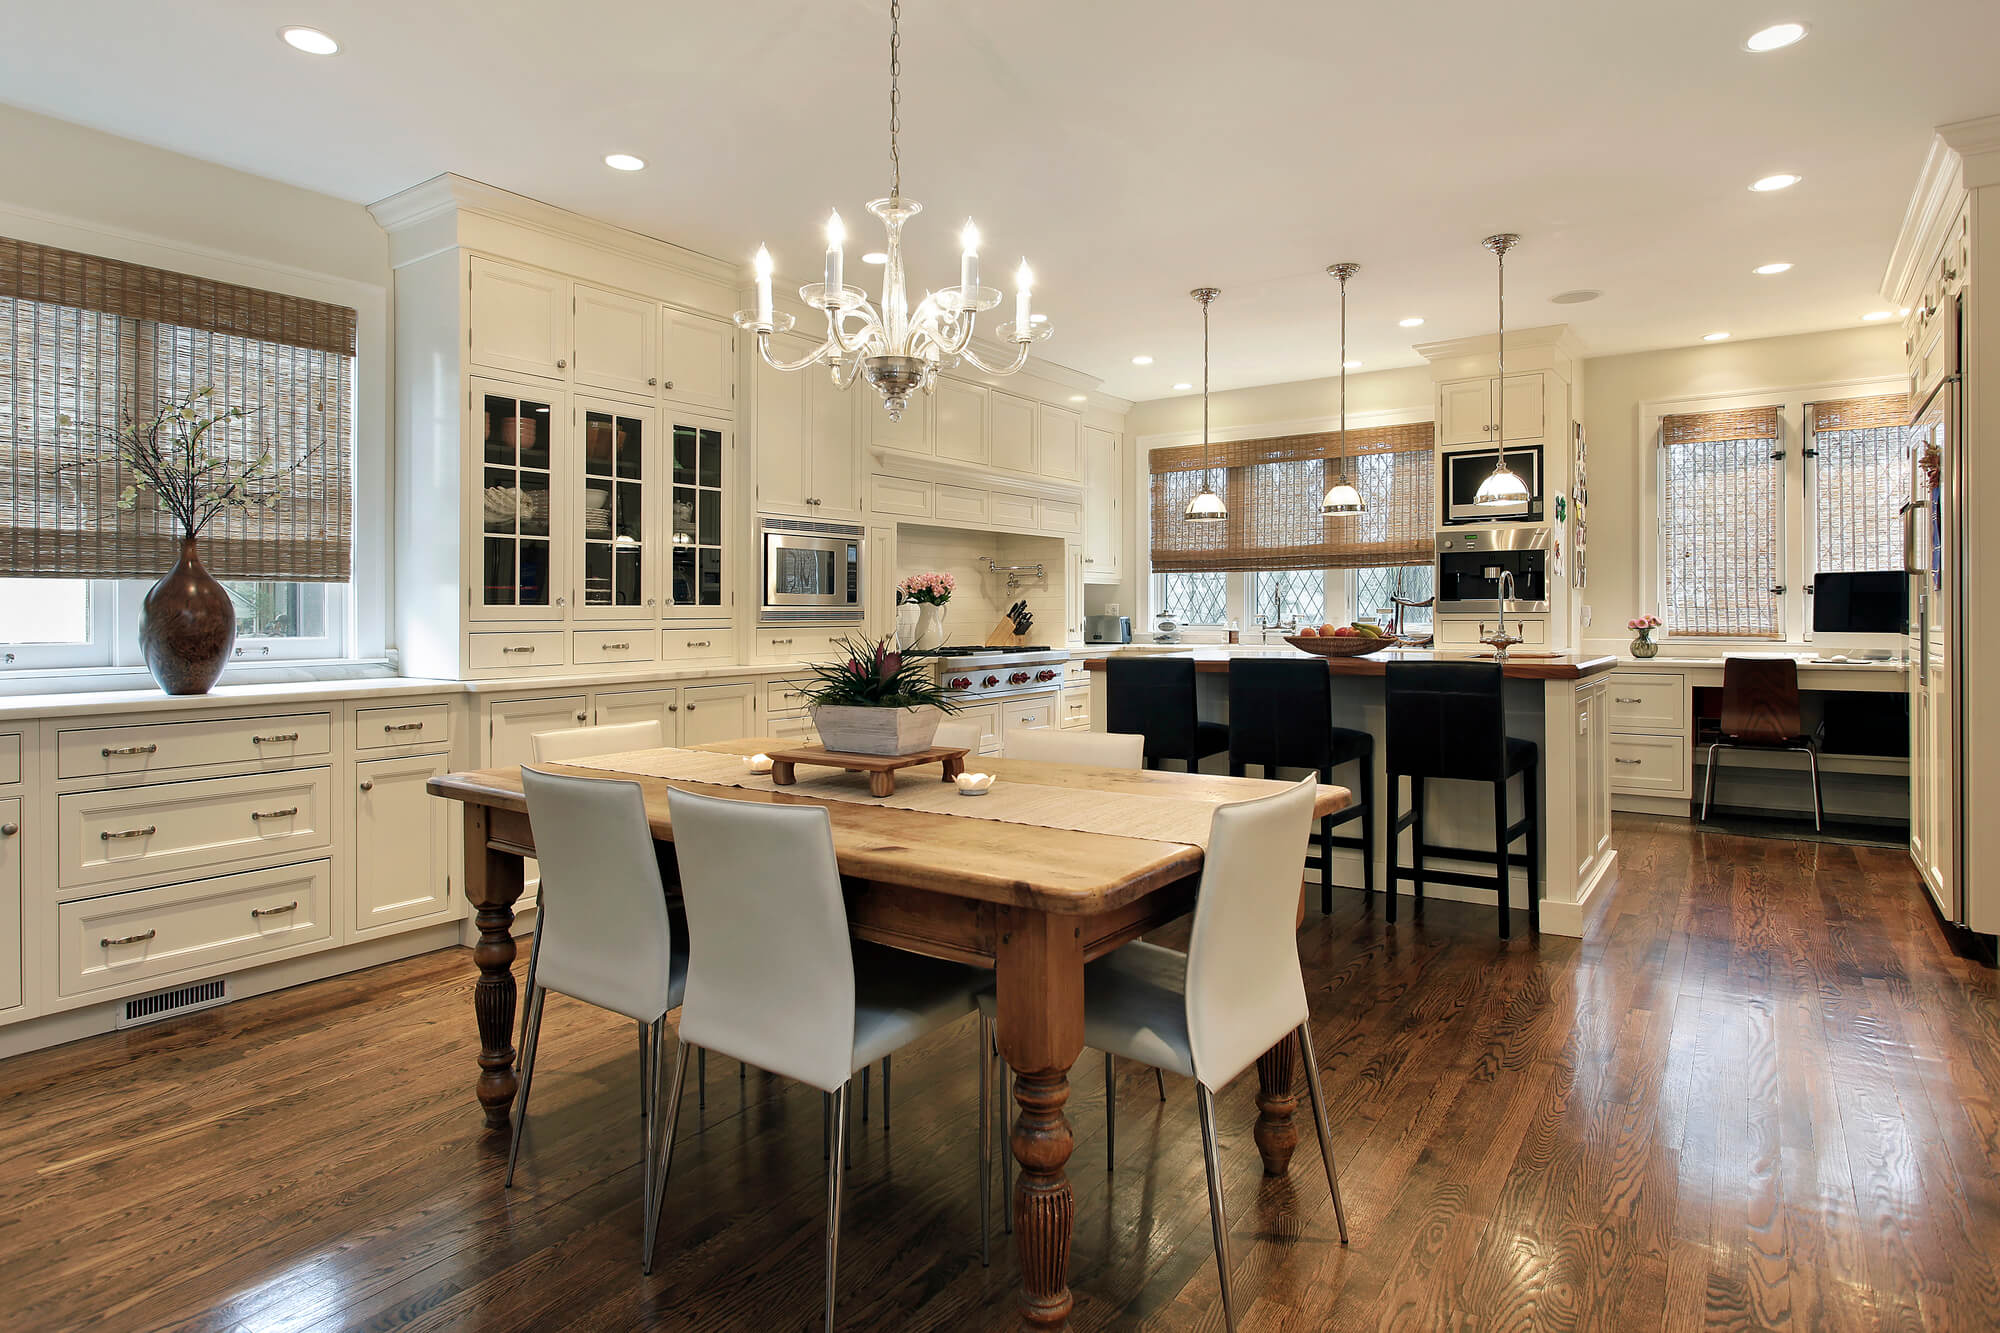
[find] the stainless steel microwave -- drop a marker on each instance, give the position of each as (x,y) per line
(1464,469)
(812,571)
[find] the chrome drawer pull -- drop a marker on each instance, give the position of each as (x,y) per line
(145,832)
(127,939)
(129,749)
(692,644)
(404,726)
(285,813)
(1625,761)
(616,647)
(277,739)
(521,648)
(291,906)
(1628,701)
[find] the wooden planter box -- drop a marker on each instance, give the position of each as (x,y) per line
(853,730)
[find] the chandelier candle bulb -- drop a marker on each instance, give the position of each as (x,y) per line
(763,288)
(968,263)
(1024,278)
(835,235)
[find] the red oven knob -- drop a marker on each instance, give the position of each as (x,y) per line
(990,682)
(1018,678)
(1045,675)
(961,682)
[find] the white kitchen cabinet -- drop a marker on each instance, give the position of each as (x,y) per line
(614,337)
(700,558)
(12,836)
(1592,779)
(1468,409)
(619,708)
(959,413)
(711,713)
(807,450)
(510,744)
(910,435)
(401,842)
(698,361)
(519,319)
(1036,713)
(1102,538)
(1061,443)
(614,525)
(516,505)
(1010,432)
(1073,591)
(833,448)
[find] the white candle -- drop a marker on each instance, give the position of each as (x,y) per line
(835,234)
(1024,278)
(758,763)
(968,263)
(763,288)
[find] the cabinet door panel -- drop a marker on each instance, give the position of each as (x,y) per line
(1010,432)
(401,840)
(700,365)
(911,435)
(1073,589)
(516,503)
(783,467)
(1524,407)
(960,413)
(1100,504)
(701,463)
(1465,410)
(1061,444)
(511,744)
(711,713)
(614,341)
(520,319)
(10,902)
(618,511)
(661,706)
(834,449)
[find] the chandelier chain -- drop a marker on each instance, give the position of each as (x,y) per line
(895,98)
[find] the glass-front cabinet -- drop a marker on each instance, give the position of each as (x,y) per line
(617,470)
(519,574)
(697,579)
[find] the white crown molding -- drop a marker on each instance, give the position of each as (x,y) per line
(1940,184)
(1357,422)
(1977,143)
(917,467)
(1557,337)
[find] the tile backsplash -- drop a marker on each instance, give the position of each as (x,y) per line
(982,596)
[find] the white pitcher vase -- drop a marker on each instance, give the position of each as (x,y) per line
(930,627)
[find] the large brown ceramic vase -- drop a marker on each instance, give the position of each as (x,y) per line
(187,626)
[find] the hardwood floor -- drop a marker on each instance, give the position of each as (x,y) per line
(1763,1094)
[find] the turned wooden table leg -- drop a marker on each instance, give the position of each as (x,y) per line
(1275,1133)
(493,881)
(1039,973)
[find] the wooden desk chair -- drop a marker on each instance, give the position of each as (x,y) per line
(1760,711)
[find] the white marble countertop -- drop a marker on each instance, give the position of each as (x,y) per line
(1665,663)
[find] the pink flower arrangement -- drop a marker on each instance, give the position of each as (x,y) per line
(933,589)
(1643,623)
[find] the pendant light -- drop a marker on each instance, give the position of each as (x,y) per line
(1206,507)
(1341,497)
(1504,487)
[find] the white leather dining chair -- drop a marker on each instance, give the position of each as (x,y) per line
(1100,749)
(609,942)
(962,735)
(776,980)
(559,747)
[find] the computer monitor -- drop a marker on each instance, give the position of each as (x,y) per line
(1868,602)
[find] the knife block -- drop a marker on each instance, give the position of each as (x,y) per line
(1002,635)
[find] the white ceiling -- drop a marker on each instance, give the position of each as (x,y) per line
(1132,149)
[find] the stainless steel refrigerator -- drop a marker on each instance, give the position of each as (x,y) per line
(1932,557)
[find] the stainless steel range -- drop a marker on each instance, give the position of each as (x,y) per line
(974,671)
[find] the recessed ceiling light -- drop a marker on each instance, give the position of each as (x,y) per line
(1784,180)
(1776,36)
(1577,297)
(624,162)
(1412,322)
(1182,388)
(1875,315)
(1079,398)
(1715,337)
(309,40)
(1766,270)
(1142,360)
(1351,365)
(874,257)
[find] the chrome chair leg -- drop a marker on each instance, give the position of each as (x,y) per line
(1319,1119)
(1005,1084)
(1110,1116)
(833,1181)
(826,1127)
(864,1094)
(649,1119)
(1217,1220)
(1160,1082)
(645,1055)
(667,1141)
(985,1142)
(885,1094)
(1819,808)
(531,1032)
(1708,783)
(701,1080)
(528,989)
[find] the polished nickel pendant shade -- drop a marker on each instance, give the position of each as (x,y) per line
(1341,499)
(1503,487)
(1207,507)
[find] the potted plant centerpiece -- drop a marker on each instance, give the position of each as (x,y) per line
(929,592)
(1643,627)
(877,701)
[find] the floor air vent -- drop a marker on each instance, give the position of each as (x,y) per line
(173,1003)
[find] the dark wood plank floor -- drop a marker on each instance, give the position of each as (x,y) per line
(1761,1095)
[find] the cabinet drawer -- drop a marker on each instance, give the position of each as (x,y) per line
(988,718)
(695,645)
(803,644)
(179,826)
(1022,713)
(1076,708)
(899,495)
(128,937)
(496,650)
(1012,511)
(962,503)
(623,645)
(10,759)
(792,727)
(1061,516)
(102,751)
(1648,701)
(784,696)
(380,728)
(1653,764)
(1074,673)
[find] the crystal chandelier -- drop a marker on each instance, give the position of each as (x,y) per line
(1341,498)
(1503,488)
(1207,507)
(894,348)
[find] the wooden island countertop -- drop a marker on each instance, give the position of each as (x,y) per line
(1520,666)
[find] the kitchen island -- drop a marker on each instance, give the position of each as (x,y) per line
(1557,700)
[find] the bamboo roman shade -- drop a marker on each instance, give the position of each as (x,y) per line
(101,342)
(1719,504)
(1860,479)
(1273,489)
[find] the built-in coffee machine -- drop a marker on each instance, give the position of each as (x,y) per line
(1470,562)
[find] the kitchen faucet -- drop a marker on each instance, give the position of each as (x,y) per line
(1277,619)
(1500,640)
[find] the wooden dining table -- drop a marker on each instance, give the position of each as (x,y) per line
(1034,904)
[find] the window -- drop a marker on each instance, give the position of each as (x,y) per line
(1296,595)
(1197,597)
(1721,480)
(1372,591)
(89,343)
(1859,479)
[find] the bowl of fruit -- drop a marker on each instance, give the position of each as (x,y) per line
(1355,640)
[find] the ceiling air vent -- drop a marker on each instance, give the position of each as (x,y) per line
(173,1003)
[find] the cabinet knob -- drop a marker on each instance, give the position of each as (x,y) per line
(690,708)
(670,384)
(580,716)
(9,830)
(367,784)
(654,380)
(561,364)
(673,708)
(562,601)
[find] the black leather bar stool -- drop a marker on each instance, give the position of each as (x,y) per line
(1154,698)
(1449,720)
(1281,716)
